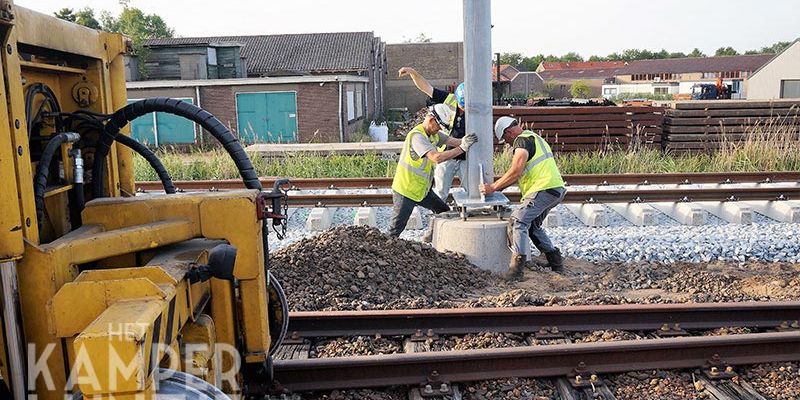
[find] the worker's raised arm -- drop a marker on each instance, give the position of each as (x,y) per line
(511,176)
(460,146)
(419,80)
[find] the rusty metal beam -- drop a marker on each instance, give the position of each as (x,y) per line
(573,180)
(457,321)
(534,361)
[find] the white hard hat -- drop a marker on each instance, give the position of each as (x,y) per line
(501,125)
(443,115)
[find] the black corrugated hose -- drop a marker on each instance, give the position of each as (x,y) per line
(43,169)
(177,107)
(151,158)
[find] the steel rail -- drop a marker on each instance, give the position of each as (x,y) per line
(534,361)
(573,180)
(456,321)
(576,196)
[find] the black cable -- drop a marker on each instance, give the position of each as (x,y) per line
(172,106)
(94,123)
(43,169)
(152,159)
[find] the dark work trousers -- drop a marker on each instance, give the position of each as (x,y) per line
(403,206)
(526,221)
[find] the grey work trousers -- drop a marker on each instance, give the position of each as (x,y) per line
(443,175)
(526,221)
(403,206)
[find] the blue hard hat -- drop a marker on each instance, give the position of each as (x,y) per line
(460,94)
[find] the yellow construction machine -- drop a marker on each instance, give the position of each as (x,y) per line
(106,294)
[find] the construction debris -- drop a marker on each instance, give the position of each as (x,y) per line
(360,268)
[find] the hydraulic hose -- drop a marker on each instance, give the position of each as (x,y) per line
(151,158)
(171,106)
(43,169)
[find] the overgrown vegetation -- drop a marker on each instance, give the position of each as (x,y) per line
(773,145)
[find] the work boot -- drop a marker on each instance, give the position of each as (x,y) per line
(514,272)
(555,261)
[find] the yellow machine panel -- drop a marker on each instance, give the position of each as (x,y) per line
(107,294)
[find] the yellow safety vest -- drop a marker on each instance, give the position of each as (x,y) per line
(541,171)
(413,177)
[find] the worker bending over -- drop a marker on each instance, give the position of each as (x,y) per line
(455,127)
(541,187)
(414,175)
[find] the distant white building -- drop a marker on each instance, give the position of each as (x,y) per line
(677,76)
(779,78)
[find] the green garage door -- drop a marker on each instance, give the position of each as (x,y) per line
(159,128)
(267,117)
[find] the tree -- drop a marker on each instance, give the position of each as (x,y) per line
(580,90)
(514,59)
(85,16)
(726,51)
(67,14)
(421,38)
(138,26)
(571,57)
(696,53)
(678,54)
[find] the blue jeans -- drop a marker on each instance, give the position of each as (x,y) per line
(526,221)
(403,206)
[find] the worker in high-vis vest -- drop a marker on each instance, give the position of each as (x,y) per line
(444,172)
(542,188)
(413,177)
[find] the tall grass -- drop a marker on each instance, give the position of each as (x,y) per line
(765,146)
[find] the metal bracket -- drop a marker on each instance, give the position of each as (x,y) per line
(549,332)
(582,378)
(294,338)
(435,387)
(419,337)
(716,369)
(671,331)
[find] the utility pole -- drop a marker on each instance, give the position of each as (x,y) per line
(478,78)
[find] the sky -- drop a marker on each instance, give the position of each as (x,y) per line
(524,26)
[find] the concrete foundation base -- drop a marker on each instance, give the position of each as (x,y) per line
(482,240)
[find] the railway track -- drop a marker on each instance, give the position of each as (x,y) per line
(572,180)
(728,188)
(669,343)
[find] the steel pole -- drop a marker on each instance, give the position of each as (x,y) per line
(478,82)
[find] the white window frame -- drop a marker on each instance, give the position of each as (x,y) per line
(212,56)
(351,105)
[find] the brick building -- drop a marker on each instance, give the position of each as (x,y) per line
(441,63)
(270,88)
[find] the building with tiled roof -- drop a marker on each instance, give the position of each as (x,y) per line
(578,65)
(677,76)
(314,87)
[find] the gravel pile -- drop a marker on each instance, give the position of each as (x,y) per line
(776,381)
(357,346)
(510,389)
(486,340)
(357,268)
(654,385)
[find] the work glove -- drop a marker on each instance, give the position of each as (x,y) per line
(467,141)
